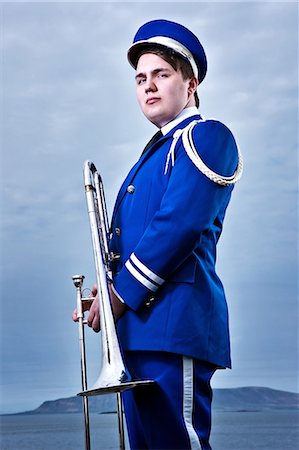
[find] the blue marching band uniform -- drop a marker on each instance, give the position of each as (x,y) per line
(167,220)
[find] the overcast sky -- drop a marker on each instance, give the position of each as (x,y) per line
(69,96)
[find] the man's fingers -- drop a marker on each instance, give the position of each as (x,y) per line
(75,316)
(93,319)
(94,290)
(96,325)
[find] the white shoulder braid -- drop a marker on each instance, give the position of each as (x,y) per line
(190,149)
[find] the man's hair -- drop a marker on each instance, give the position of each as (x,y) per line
(177,62)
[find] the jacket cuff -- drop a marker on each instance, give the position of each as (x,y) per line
(136,283)
(117,294)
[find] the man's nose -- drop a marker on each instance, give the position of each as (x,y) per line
(150,86)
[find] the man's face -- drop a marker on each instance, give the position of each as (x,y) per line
(161,91)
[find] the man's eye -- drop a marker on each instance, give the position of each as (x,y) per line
(140,80)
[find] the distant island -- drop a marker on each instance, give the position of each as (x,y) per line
(235,399)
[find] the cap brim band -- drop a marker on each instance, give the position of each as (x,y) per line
(165,42)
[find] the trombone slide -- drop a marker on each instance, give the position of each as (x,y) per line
(114,376)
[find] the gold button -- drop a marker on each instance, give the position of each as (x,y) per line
(131,189)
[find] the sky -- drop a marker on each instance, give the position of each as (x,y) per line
(68,95)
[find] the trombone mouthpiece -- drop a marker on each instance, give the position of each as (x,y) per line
(78,280)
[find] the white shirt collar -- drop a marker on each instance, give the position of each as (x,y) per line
(187,112)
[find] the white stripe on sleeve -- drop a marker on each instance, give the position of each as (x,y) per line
(140,277)
(151,275)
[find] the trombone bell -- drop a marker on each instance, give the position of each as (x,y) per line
(114,389)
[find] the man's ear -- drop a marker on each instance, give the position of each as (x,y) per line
(193,83)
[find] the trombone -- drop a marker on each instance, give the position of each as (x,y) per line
(114,377)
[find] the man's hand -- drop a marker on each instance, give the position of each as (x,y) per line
(93,319)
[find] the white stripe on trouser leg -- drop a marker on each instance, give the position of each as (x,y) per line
(188,402)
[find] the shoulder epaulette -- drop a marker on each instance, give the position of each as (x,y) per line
(190,149)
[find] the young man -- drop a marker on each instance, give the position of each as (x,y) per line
(169,303)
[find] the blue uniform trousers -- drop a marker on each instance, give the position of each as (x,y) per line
(174,413)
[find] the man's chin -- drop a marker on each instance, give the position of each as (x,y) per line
(157,119)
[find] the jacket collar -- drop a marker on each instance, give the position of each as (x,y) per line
(179,125)
(130,177)
(184,114)
(182,125)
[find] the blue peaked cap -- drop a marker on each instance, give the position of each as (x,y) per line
(165,33)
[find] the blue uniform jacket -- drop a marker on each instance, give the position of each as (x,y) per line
(165,228)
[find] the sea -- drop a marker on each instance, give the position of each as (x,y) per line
(232,430)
